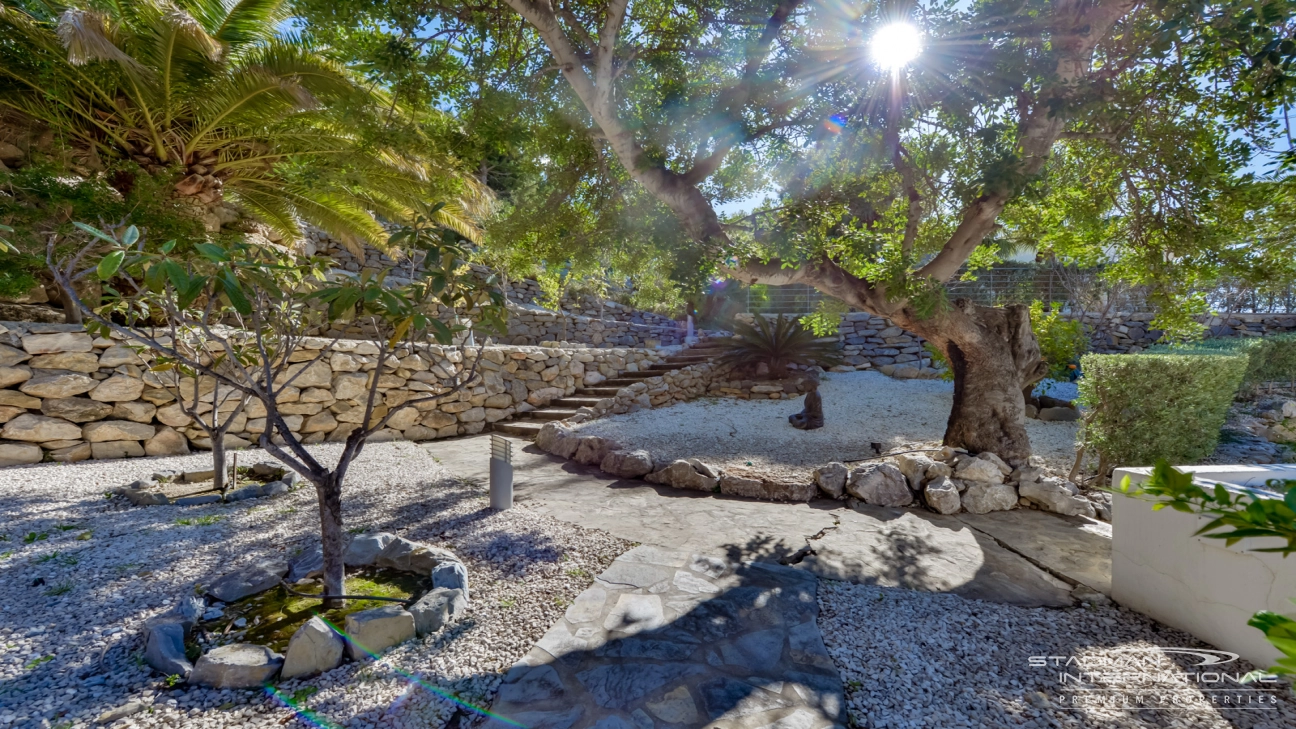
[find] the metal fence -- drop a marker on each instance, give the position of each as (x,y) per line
(1023,283)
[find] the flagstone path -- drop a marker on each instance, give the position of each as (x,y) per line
(668,638)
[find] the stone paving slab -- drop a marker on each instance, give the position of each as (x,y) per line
(1074,547)
(876,545)
(869,545)
(668,638)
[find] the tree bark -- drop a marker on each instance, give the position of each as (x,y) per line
(994,356)
(71,312)
(332,538)
(218,459)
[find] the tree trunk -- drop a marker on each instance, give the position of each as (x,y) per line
(71,312)
(994,356)
(332,538)
(218,461)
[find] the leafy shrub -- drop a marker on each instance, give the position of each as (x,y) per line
(1061,341)
(776,344)
(1270,358)
(1145,407)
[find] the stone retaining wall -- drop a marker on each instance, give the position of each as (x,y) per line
(603,323)
(1131,332)
(66,396)
(875,342)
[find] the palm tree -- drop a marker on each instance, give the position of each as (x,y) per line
(214,95)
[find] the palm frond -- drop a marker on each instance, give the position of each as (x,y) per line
(777,345)
(88,36)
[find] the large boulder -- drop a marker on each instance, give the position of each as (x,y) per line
(59,342)
(1058,496)
(831,479)
(18,454)
(627,464)
(768,489)
(880,484)
(440,607)
(118,388)
(372,631)
(364,549)
(58,383)
(257,577)
(314,648)
(452,575)
(983,497)
(73,361)
(682,475)
(39,429)
(106,430)
(167,442)
(592,449)
(942,496)
(407,556)
(164,649)
(558,440)
(978,469)
(10,376)
(236,666)
(116,449)
(914,467)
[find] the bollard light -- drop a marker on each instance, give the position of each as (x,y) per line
(501,473)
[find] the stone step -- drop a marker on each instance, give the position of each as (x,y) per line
(549,414)
(619,382)
(598,391)
(667,366)
(527,429)
(577,402)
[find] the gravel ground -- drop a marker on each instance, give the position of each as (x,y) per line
(70,648)
(916,659)
(859,408)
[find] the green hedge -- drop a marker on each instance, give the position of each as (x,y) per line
(1270,358)
(1144,407)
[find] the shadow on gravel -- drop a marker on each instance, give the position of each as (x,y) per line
(669,639)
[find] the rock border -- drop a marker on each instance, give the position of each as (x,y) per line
(316,646)
(139,492)
(952,481)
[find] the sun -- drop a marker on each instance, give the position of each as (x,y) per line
(894,46)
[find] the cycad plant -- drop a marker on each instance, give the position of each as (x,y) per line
(214,95)
(778,344)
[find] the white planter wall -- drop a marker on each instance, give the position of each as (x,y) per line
(1197,584)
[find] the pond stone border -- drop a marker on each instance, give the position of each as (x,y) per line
(316,646)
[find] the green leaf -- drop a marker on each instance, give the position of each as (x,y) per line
(131,236)
(110,264)
(95,232)
(213,252)
(234,292)
(1290,497)
(168,246)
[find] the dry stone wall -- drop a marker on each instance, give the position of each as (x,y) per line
(1132,332)
(67,396)
(589,320)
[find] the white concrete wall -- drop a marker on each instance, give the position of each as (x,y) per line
(1197,584)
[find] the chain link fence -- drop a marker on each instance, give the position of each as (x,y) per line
(1023,283)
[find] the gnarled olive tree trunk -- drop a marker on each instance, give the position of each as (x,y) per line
(994,356)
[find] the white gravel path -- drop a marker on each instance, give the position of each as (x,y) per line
(918,659)
(859,408)
(98,589)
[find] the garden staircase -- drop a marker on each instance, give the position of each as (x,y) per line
(529,424)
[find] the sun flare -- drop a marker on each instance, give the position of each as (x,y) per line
(894,46)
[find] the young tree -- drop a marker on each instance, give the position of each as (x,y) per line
(277,301)
(895,165)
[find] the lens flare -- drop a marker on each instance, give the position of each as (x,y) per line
(314,719)
(896,45)
(835,124)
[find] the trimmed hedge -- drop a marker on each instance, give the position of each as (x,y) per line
(1145,407)
(1269,358)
